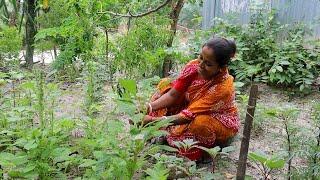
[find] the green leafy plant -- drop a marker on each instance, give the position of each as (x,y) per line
(71,32)
(310,148)
(40,107)
(295,65)
(287,117)
(216,152)
(314,158)
(257,42)
(30,151)
(142,49)
(266,164)
(91,98)
(181,167)
(10,45)
(159,172)
(176,165)
(186,144)
(124,157)
(268,51)
(190,15)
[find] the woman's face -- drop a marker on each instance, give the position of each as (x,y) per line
(208,66)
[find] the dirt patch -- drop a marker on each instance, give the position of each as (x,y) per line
(71,102)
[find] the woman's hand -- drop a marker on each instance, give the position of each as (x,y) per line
(147,119)
(148,108)
(165,100)
(177,119)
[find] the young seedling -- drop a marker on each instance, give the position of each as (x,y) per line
(40,88)
(287,116)
(216,151)
(186,144)
(159,172)
(266,164)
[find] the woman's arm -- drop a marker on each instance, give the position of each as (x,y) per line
(178,119)
(165,100)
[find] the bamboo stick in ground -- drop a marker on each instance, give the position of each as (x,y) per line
(241,170)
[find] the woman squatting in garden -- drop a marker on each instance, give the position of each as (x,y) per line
(201,101)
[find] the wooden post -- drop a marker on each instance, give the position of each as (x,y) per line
(241,171)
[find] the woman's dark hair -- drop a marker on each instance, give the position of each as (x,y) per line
(223,49)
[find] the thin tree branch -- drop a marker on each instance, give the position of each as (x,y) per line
(136,15)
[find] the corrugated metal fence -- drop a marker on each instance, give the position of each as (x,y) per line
(288,11)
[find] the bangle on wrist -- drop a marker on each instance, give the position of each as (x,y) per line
(164,117)
(150,107)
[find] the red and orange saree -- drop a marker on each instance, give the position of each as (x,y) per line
(208,104)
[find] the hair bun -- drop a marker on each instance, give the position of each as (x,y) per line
(223,49)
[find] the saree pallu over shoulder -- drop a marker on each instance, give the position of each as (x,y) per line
(216,100)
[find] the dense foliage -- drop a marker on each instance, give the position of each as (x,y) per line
(10,46)
(268,51)
(149,39)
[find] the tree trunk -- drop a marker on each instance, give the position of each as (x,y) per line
(174,16)
(30,30)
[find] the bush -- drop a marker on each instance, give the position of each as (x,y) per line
(10,44)
(10,40)
(142,51)
(262,57)
(190,15)
(294,64)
